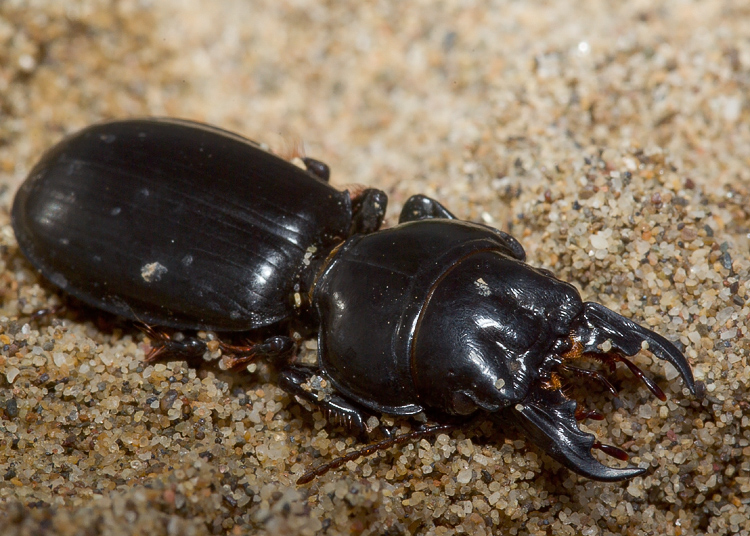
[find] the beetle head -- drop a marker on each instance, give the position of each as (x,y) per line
(491,328)
(495,334)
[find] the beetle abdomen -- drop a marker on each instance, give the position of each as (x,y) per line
(176,223)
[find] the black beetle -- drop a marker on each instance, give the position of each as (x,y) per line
(186,226)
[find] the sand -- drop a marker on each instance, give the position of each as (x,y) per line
(610,138)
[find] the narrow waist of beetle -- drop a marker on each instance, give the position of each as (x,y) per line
(317,272)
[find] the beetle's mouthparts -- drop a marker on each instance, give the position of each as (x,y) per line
(549,418)
(602,331)
(610,360)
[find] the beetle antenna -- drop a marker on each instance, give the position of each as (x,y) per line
(611,360)
(387,443)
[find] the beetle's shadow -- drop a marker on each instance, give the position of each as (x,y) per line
(485,432)
(108,325)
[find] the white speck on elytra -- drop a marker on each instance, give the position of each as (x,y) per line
(152,272)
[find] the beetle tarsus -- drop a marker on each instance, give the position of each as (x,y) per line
(368,211)
(317,168)
(420,207)
(47,311)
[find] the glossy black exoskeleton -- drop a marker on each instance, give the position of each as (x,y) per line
(186,226)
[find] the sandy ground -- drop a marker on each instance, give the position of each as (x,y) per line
(611,138)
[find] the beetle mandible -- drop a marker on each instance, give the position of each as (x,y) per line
(186,226)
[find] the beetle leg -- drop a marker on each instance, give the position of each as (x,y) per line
(164,347)
(189,349)
(272,347)
(301,381)
(549,420)
(385,444)
(368,211)
(596,325)
(317,168)
(420,207)
(294,148)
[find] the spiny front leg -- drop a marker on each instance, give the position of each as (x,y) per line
(304,382)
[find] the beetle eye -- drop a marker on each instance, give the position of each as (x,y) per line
(546,272)
(562,346)
(462,404)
